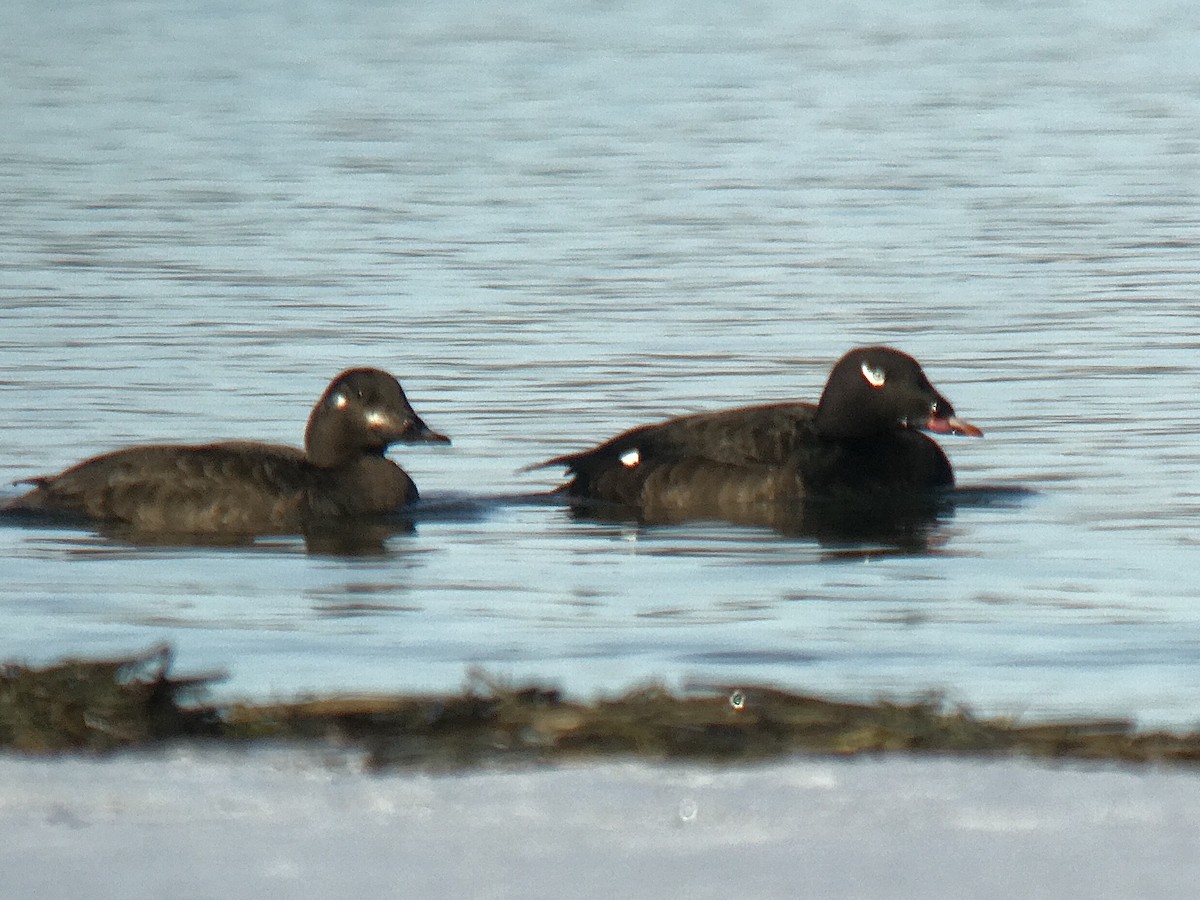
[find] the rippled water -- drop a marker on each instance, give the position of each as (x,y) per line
(556,223)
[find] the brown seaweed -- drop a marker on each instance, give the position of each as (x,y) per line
(106,705)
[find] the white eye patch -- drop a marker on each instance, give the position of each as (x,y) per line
(376,419)
(630,458)
(875,377)
(339,401)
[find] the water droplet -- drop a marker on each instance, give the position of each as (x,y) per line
(737,699)
(688,810)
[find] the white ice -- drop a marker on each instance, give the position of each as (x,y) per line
(284,823)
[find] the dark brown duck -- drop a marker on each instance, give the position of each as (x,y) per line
(248,488)
(861,441)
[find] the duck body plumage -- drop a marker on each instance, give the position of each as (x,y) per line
(224,487)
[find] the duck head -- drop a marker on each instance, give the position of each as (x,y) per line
(362,411)
(875,390)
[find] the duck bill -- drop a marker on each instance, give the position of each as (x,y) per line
(951,425)
(403,429)
(417,432)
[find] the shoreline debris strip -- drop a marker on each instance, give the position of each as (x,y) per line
(102,706)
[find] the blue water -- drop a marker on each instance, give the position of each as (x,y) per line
(554,223)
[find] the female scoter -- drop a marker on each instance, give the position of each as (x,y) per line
(243,487)
(859,443)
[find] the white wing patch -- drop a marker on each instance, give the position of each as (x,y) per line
(875,377)
(630,458)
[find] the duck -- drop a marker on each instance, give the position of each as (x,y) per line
(862,443)
(245,487)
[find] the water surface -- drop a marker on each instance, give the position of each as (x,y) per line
(556,224)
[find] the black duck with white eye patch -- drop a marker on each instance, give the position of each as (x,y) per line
(241,487)
(862,440)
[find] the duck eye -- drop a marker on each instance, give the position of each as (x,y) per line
(875,377)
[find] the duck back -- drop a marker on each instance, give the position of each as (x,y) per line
(768,435)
